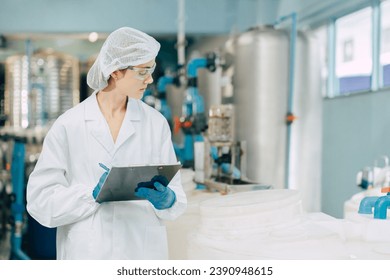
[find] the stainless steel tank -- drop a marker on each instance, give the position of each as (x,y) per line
(40,88)
(257,61)
(306,132)
(260,96)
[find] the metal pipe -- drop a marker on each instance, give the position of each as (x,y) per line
(376,80)
(181,40)
(293,36)
(331,91)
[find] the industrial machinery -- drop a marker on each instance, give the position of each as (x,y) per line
(284,149)
(262,101)
(39,87)
(6,197)
(260,97)
(220,161)
(193,121)
(158,100)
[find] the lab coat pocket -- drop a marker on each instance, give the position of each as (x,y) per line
(79,245)
(156,244)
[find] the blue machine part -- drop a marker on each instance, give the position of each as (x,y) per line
(17,207)
(379,203)
(367,204)
(381,206)
(194,65)
(194,103)
(163,82)
(164,109)
(41,240)
(193,120)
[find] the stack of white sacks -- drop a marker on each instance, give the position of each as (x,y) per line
(270,224)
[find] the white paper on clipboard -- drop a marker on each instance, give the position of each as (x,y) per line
(121,182)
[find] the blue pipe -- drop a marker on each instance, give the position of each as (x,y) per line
(194,103)
(367,204)
(293,35)
(194,65)
(16,245)
(163,82)
(17,207)
(380,208)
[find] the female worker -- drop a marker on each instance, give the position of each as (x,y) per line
(112,127)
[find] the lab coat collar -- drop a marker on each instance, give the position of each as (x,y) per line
(92,112)
(133,113)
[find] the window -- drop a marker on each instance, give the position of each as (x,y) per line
(385,42)
(321,36)
(353,57)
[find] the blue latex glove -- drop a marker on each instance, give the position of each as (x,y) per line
(157,192)
(99,185)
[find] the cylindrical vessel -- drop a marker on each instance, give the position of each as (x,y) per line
(40,88)
(260,97)
(306,131)
(257,63)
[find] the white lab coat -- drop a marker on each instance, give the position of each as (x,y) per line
(59,190)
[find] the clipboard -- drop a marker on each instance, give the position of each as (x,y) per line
(121,182)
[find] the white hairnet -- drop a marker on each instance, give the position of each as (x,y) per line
(123,48)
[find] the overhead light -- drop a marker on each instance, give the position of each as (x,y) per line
(92,37)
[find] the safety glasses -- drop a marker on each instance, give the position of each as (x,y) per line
(142,72)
